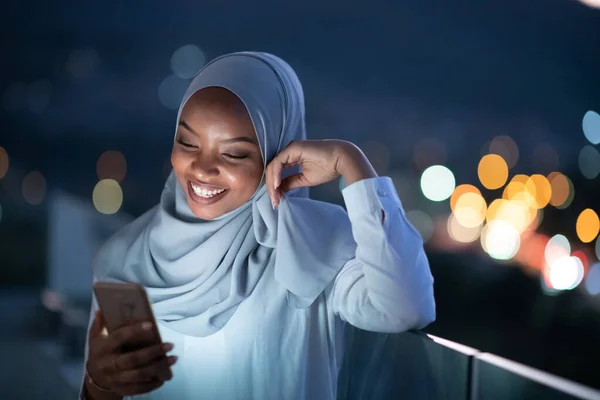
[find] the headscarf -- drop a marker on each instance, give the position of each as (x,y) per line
(196,272)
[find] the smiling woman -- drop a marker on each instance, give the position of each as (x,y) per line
(250,281)
(216,156)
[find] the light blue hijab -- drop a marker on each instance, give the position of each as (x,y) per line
(196,272)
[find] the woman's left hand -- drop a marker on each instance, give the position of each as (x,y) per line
(321,161)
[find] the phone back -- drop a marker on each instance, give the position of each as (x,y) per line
(123,304)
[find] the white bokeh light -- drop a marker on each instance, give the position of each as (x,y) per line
(591,3)
(187,61)
(500,240)
(171,91)
(557,247)
(437,183)
(565,273)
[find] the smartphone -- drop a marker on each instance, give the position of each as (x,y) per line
(126,304)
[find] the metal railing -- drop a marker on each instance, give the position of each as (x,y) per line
(414,365)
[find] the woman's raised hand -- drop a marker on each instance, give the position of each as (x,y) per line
(321,161)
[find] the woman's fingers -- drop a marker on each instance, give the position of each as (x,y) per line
(159,370)
(97,325)
(288,157)
(156,370)
(140,358)
(129,334)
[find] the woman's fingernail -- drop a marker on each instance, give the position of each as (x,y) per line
(171,360)
(273,204)
(146,326)
(168,346)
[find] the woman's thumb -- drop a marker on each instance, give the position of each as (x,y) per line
(97,324)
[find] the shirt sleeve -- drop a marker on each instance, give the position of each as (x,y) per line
(387,286)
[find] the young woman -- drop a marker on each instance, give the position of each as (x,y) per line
(251,281)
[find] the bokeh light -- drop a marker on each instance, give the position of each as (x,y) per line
(500,240)
(461,233)
(171,91)
(187,61)
(437,183)
(107,196)
(562,190)
(589,162)
(422,223)
(516,212)
(591,3)
(505,147)
(111,165)
(492,171)
(470,210)
(565,273)
(584,260)
(428,152)
(592,280)
(591,122)
(34,187)
(459,191)
(539,191)
(588,225)
(3,162)
(557,247)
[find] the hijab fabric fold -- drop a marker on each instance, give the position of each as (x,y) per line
(196,272)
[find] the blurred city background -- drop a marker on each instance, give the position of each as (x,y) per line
(485,115)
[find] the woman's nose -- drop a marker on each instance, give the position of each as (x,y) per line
(204,166)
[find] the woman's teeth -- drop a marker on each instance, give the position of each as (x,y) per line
(202,192)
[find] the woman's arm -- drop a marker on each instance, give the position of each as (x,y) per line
(388,286)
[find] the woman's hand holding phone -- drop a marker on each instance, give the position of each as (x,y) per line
(127,373)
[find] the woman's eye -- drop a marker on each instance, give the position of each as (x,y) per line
(185,144)
(236,156)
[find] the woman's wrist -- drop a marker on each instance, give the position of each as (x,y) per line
(95,392)
(353,165)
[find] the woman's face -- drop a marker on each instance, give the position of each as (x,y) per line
(216,157)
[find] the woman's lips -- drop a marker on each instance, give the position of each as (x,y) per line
(205,194)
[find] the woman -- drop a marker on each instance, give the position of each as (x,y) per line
(250,281)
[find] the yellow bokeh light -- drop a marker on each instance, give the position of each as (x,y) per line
(107,196)
(34,187)
(460,233)
(492,171)
(459,191)
(470,210)
(588,225)
(516,213)
(562,190)
(516,185)
(540,191)
(494,208)
(3,162)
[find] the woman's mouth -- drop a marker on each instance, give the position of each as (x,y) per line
(204,194)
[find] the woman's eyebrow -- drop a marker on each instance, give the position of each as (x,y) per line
(245,139)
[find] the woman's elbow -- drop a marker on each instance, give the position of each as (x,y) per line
(423,314)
